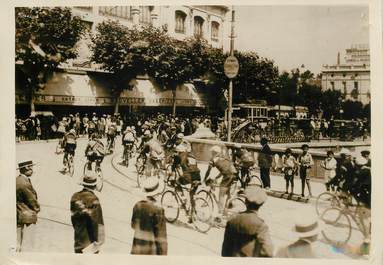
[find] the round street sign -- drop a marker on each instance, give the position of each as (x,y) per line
(231,67)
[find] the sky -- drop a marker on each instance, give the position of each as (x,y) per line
(296,35)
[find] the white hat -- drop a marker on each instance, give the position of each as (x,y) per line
(307,226)
(72,131)
(216,149)
(89,179)
(255,194)
(345,151)
(150,186)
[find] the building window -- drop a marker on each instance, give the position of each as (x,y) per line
(180,22)
(332,84)
(198,26)
(116,11)
(344,88)
(356,85)
(145,12)
(214,31)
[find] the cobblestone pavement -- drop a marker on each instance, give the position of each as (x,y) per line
(54,233)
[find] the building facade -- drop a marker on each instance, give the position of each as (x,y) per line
(352,77)
(80,85)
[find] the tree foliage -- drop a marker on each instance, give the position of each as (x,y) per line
(45,37)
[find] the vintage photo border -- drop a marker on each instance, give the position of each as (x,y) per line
(8,153)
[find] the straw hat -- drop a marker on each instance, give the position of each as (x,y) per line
(150,186)
(26,163)
(90,179)
(255,194)
(306,226)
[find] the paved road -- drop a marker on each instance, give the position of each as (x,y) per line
(54,233)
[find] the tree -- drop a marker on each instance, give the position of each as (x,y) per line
(352,109)
(331,103)
(45,37)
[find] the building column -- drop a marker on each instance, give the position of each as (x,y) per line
(154,16)
(135,15)
(191,28)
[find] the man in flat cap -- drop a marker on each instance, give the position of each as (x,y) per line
(26,200)
(247,235)
(87,219)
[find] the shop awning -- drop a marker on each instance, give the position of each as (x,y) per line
(87,89)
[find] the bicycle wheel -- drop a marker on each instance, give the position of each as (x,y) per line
(100,182)
(337,226)
(255,180)
(171,206)
(140,164)
(70,166)
(126,157)
(202,215)
(326,200)
(235,206)
(206,195)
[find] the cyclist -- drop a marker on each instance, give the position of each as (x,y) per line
(289,168)
(128,139)
(111,134)
(69,145)
(244,160)
(91,127)
(94,151)
(226,170)
(154,152)
(361,189)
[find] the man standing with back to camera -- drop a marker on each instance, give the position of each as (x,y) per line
(264,162)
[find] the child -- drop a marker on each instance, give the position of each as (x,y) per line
(38,131)
(289,167)
(329,165)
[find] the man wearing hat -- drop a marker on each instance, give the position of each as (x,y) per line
(246,234)
(87,219)
(307,230)
(26,200)
(329,166)
(149,223)
(265,160)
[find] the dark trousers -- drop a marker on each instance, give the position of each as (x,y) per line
(265,176)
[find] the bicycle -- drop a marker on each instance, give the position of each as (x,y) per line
(199,212)
(337,229)
(59,147)
(128,153)
(158,171)
(98,171)
(110,145)
(233,205)
(70,164)
(332,199)
(250,178)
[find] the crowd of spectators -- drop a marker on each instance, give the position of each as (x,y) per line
(44,127)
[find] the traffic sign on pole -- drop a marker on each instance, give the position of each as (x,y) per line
(231,67)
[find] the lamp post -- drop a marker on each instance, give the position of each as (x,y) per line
(231,67)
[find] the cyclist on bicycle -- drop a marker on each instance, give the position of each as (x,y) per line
(154,153)
(94,151)
(111,134)
(243,160)
(69,145)
(226,170)
(128,139)
(361,189)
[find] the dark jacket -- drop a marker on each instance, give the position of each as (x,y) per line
(87,219)
(247,235)
(25,196)
(298,249)
(149,224)
(265,157)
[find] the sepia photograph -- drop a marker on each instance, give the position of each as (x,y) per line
(193,130)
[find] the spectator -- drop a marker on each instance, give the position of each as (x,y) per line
(87,219)
(307,230)
(265,160)
(149,224)
(26,200)
(329,165)
(247,235)
(305,162)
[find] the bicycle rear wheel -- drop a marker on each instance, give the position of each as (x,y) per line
(255,180)
(71,166)
(100,182)
(202,215)
(337,226)
(206,195)
(326,200)
(235,206)
(171,206)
